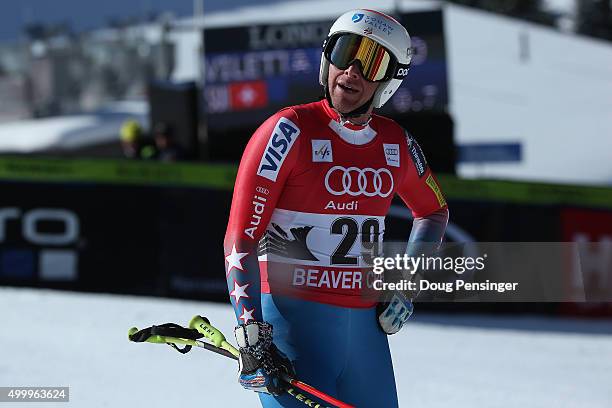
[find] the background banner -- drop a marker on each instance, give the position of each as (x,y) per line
(253,71)
(157,229)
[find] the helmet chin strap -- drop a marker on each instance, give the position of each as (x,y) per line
(346,117)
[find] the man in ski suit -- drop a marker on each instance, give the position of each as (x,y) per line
(313,188)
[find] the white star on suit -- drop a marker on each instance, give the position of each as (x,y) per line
(247,314)
(239,291)
(233,260)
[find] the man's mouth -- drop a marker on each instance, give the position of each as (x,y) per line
(347,88)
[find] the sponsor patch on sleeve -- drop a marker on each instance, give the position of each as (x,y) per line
(416,154)
(281,140)
(431,182)
(392,154)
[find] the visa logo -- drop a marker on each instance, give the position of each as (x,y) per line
(280,143)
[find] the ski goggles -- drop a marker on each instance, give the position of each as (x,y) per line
(377,64)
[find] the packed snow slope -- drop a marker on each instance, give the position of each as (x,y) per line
(52,338)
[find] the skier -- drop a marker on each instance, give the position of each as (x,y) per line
(313,188)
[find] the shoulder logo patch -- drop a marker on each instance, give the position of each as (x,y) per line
(416,154)
(392,155)
(281,140)
(322,151)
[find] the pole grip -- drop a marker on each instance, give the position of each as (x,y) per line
(203,326)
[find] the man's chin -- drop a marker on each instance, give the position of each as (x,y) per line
(343,106)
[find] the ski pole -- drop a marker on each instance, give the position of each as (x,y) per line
(203,326)
(174,341)
(174,335)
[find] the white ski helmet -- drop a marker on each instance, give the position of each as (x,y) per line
(384,30)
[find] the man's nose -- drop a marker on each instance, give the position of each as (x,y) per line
(354,70)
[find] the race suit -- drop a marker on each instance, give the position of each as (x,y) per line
(307,217)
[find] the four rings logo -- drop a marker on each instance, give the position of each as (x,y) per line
(391,151)
(355,181)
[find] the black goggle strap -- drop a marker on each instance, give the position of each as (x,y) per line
(401,70)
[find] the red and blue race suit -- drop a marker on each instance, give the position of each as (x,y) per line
(307,215)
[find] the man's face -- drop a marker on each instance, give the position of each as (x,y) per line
(347,88)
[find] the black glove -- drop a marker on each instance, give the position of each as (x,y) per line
(261,363)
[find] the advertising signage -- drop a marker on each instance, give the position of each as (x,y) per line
(250,72)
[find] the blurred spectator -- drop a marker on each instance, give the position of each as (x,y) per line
(132,142)
(167,149)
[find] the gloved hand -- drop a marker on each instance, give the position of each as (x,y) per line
(393,311)
(261,363)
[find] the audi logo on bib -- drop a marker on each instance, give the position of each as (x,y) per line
(355,181)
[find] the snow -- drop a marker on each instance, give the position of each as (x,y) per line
(71,131)
(54,338)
